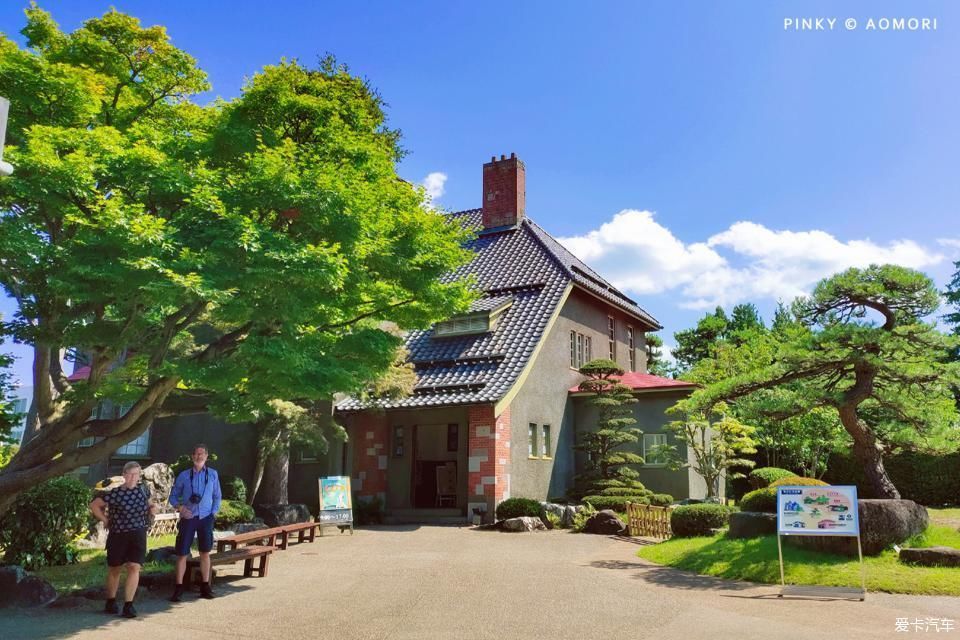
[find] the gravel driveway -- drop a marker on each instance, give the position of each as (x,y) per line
(450,582)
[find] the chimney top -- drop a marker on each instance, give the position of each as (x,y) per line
(504,192)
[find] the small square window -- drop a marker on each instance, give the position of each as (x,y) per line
(398,442)
(651,441)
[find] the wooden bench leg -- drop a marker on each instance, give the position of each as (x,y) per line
(283,541)
(248,567)
(313,534)
(264,563)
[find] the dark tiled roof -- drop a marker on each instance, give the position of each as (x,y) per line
(522,266)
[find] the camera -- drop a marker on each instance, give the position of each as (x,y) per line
(195,498)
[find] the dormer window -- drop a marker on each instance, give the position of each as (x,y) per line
(482,320)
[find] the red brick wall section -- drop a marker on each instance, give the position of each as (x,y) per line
(504,191)
(370,434)
(488,480)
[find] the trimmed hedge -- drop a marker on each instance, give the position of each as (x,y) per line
(762,477)
(624,491)
(925,478)
(617,503)
(698,519)
(518,508)
(798,481)
(661,499)
(763,500)
(233,512)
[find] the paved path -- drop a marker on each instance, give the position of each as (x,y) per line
(449,582)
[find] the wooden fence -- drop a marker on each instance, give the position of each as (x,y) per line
(649,521)
(164,523)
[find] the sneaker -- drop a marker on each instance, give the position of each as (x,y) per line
(206,592)
(177,592)
(111,607)
(129,611)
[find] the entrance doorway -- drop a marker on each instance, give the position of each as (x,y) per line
(434,478)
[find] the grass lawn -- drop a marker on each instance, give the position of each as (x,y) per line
(755,560)
(91,571)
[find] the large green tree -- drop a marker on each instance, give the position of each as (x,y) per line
(862,348)
(247,249)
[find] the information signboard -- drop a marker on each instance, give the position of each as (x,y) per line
(336,507)
(817,511)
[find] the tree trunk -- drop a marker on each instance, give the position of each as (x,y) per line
(868,453)
(257,475)
(276,476)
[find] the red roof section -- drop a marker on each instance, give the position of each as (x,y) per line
(643,381)
(80,374)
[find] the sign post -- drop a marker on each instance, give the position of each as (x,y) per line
(336,508)
(819,511)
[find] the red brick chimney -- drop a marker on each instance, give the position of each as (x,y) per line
(504,192)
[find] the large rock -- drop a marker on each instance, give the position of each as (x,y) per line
(526,523)
(566,521)
(605,522)
(10,577)
(162,554)
(752,524)
(882,523)
(247,527)
(550,507)
(932,556)
(276,515)
(159,479)
(29,591)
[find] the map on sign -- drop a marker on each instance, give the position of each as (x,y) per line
(812,511)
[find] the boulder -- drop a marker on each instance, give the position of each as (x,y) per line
(277,515)
(752,524)
(162,554)
(10,577)
(605,522)
(932,557)
(159,479)
(882,523)
(525,523)
(550,507)
(29,591)
(566,520)
(247,527)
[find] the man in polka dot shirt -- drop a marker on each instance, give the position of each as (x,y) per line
(124,512)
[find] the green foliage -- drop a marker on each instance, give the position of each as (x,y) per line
(367,510)
(717,441)
(581,516)
(518,508)
(554,520)
(926,478)
(626,491)
(184,462)
(656,363)
(607,463)
(763,476)
(661,499)
(233,488)
(44,522)
(617,503)
(233,512)
(698,519)
(764,500)
(798,481)
(249,249)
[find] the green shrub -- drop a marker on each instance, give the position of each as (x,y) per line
(44,522)
(698,519)
(233,512)
(184,462)
(661,499)
(762,477)
(926,478)
(617,503)
(581,516)
(367,510)
(624,491)
(233,488)
(554,519)
(518,508)
(764,500)
(798,481)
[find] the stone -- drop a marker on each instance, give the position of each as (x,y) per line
(96,537)
(30,591)
(550,507)
(931,557)
(882,523)
(159,479)
(752,524)
(566,520)
(10,576)
(525,523)
(546,522)
(277,515)
(162,554)
(247,527)
(605,522)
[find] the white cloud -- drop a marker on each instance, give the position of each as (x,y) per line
(953,243)
(747,261)
(433,183)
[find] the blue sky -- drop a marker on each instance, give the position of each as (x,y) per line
(695,153)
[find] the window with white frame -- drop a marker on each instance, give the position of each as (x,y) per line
(139,447)
(587,349)
(532,444)
(632,351)
(612,338)
(573,349)
(581,349)
(652,455)
(545,442)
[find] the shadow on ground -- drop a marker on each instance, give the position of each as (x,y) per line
(669,577)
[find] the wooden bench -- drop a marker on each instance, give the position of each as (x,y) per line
(247,554)
(306,531)
(275,537)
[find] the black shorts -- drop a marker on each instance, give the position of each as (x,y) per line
(126,546)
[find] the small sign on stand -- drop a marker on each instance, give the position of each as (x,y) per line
(819,511)
(336,508)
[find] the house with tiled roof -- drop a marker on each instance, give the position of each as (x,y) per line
(496,409)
